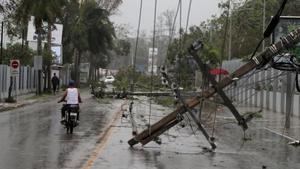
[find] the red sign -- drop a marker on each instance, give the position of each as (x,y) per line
(14,67)
(15,64)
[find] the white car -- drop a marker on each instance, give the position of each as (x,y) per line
(109,79)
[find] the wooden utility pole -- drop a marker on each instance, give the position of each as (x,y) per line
(257,61)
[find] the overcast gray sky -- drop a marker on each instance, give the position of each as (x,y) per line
(129,11)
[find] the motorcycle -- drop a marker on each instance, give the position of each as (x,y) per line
(71,114)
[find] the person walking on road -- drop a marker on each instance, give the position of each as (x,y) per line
(55,82)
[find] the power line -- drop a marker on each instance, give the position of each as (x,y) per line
(172,29)
(138,33)
(152,56)
(136,46)
(188,16)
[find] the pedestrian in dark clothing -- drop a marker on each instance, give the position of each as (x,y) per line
(55,82)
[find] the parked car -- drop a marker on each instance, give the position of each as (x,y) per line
(109,79)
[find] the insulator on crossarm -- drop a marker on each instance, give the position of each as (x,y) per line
(174,86)
(176,97)
(163,69)
(197,45)
(164,81)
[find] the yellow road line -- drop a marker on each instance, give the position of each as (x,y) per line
(104,137)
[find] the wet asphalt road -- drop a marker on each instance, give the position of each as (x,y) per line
(33,138)
(181,148)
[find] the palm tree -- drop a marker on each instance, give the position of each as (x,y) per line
(1,8)
(109,5)
(42,11)
(55,8)
(91,32)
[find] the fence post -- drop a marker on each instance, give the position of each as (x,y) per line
(262,73)
(252,91)
(275,90)
(282,93)
(255,89)
(246,84)
(289,99)
(268,85)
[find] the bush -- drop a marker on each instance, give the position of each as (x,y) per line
(126,75)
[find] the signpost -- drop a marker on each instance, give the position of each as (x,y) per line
(14,67)
(14,72)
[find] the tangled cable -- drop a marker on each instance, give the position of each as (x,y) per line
(287,62)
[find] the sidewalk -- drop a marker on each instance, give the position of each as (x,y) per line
(25,100)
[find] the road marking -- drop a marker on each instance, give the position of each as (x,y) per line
(282,135)
(104,137)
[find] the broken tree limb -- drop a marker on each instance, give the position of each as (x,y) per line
(257,61)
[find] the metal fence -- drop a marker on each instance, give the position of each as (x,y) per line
(265,88)
(22,84)
(25,82)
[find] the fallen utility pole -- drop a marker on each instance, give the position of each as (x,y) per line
(177,93)
(205,70)
(149,94)
(257,61)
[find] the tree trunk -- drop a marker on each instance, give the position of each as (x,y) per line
(92,72)
(78,74)
(48,70)
(39,53)
(77,67)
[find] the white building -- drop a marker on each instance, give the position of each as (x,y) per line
(152,60)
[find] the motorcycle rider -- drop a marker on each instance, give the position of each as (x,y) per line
(72,97)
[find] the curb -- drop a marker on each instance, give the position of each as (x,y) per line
(16,107)
(30,102)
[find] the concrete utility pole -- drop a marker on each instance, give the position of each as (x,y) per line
(264,23)
(1,51)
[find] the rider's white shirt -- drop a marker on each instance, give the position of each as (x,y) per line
(72,96)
